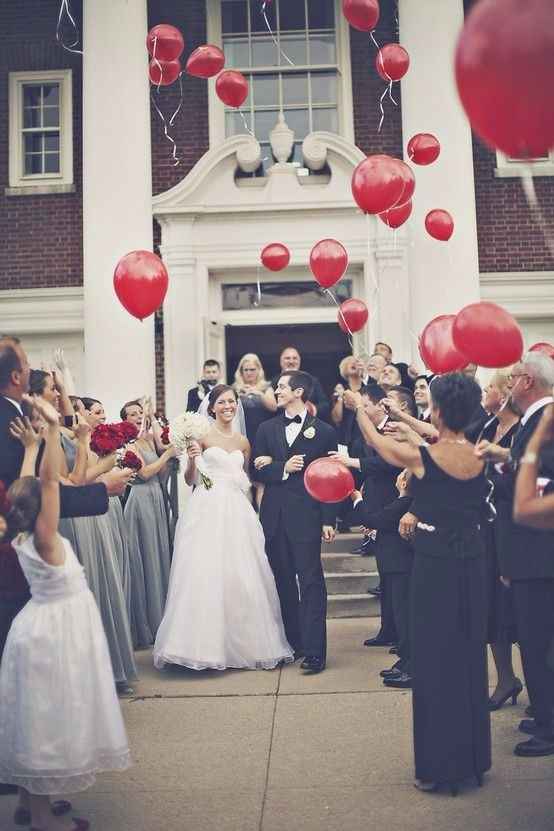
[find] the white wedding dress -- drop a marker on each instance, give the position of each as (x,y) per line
(222,608)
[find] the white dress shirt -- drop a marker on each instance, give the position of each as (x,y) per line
(538,405)
(294,429)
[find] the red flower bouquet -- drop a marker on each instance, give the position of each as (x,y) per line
(109,438)
(129,460)
(129,431)
(165,435)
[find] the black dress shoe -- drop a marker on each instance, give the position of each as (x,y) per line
(528,725)
(403,682)
(377,641)
(313,664)
(8,790)
(393,676)
(397,667)
(535,747)
(393,650)
(376,592)
(496,704)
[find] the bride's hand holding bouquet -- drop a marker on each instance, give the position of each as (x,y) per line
(186,433)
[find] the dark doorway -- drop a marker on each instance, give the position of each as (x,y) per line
(321,345)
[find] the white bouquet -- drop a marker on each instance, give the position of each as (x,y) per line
(186,428)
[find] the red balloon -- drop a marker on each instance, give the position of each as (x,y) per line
(164,73)
(275,256)
(392,62)
(328,262)
(505,75)
(397,216)
(165,42)
(439,224)
(546,348)
(205,62)
(361,14)
(378,184)
(423,148)
(140,281)
(328,480)
(232,88)
(352,315)
(408,178)
(488,335)
(437,349)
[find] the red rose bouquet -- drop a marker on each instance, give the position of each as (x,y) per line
(165,435)
(130,460)
(109,438)
(128,430)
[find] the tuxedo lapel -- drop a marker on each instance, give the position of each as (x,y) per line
(282,436)
(300,439)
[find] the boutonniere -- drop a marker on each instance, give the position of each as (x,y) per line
(309,433)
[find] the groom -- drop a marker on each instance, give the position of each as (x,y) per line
(293,522)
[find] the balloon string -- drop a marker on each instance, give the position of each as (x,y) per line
(381,107)
(337,304)
(245,122)
(167,134)
(64,9)
(274,39)
(258,300)
(390,92)
(536,211)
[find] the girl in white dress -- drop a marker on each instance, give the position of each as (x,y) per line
(222,608)
(60,720)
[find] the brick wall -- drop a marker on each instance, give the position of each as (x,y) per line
(41,236)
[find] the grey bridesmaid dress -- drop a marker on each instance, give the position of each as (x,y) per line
(150,554)
(96,547)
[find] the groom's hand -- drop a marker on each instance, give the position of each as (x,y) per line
(295,464)
(328,533)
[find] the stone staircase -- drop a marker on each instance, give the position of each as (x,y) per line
(348,577)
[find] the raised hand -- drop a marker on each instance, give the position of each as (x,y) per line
(352,399)
(22,430)
(59,360)
(81,428)
(47,411)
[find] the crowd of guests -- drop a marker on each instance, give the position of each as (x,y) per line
(452,493)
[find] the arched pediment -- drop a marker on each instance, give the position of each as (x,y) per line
(212,186)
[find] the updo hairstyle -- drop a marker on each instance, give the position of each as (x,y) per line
(214,395)
(457,397)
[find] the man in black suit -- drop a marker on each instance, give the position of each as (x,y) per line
(526,556)
(294,523)
(290,361)
(211,376)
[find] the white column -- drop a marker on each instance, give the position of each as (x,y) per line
(444,276)
(117,196)
(183,321)
(393,324)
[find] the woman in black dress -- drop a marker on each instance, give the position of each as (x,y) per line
(499,429)
(448,596)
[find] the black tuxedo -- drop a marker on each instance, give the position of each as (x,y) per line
(193,397)
(526,556)
(90,500)
(292,521)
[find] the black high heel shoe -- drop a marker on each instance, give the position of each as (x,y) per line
(516,690)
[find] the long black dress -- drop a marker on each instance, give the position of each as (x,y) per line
(452,740)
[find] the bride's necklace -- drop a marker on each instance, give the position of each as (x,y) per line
(221,433)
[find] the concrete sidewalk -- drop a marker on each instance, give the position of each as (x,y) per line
(279,751)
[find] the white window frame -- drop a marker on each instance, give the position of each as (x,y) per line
(507,168)
(345,110)
(40,182)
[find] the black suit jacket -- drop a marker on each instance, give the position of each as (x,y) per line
(394,554)
(523,553)
(193,397)
(89,500)
(287,500)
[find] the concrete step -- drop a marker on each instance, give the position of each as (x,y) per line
(343,543)
(353,583)
(347,563)
(352,605)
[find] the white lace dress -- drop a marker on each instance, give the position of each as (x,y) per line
(222,608)
(60,719)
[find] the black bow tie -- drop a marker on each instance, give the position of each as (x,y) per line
(294,420)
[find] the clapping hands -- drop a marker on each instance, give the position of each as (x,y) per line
(22,430)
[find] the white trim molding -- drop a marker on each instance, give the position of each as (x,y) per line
(528,295)
(19,183)
(42,311)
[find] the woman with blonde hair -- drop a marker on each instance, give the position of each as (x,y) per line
(255,393)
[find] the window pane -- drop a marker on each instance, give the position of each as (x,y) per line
(266,90)
(234,123)
(265,121)
(52,142)
(51,94)
(237,52)
(295,47)
(324,88)
(321,14)
(51,117)
(52,163)
(292,15)
(299,121)
(33,142)
(31,117)
(33,163)
(264,51)
(322,49)
(280,295)
(326,119)
(234,15)
(257,21)
(295,89)
(31,96)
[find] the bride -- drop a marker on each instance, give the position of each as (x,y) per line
(222,607)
